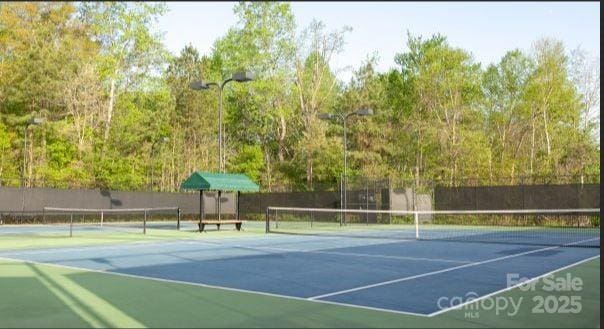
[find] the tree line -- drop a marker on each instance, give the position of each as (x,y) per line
(118,111)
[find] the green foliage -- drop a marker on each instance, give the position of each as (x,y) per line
(62,167)
(193,117)
(128,46)
(8,160)
(444,84)
(120,173)
(119,111)
(259,112)
(249,161)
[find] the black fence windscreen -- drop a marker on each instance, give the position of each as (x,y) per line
(565,196)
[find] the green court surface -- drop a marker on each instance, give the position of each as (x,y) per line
(62,239)
(41,295)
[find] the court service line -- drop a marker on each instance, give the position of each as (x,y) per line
(350,254)
(253,292)
(441,260)
(408,278)
(475,300)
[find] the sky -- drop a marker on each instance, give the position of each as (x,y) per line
(486,30)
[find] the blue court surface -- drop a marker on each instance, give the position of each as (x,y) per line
(407,276)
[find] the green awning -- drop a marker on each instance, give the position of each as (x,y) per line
(219,182)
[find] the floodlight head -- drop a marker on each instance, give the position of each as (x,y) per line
(243,76)
(325,116)
(198,85)
(364,112)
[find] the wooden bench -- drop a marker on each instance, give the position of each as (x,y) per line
(237,223)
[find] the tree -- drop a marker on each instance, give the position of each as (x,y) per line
(109,93)
(445,85)
(367,137)
(128,48)
(507,112)
(555,107)
(8,161)
(584,71)
(82,97)
(43,49)
(259,112)
(34,72)
(249,161)
(316,86)
(126,163)
(194,116)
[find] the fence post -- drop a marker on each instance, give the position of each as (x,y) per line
(416,220)
(367,201)
(178,219)
(71,225)
(341,199)
(476,183)
(102,217)
(145,222)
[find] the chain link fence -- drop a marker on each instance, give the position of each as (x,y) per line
(359,193)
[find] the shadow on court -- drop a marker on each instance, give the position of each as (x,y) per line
(407,277)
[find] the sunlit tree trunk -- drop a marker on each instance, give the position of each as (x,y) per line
(532,158)
(109,111)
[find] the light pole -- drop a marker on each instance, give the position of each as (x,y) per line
(343,118)
(201,85)
(162,139)
(31,122)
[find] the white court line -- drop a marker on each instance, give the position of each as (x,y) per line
(147,244)
(319,251)
(376,256)
(58,250)
(341,292)
(128,245)
(475,300)
(212,286)
(241,290)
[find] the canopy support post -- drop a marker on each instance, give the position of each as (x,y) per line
(237,205)
(201,208)
(219,203)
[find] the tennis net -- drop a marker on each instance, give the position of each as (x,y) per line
(551,227)
(69,221)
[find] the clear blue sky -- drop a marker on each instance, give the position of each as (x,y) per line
(487,30)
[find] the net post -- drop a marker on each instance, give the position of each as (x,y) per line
(178,219)
(102,217)
(416,221)
(43,216)
(145,222)
(267,228)
(71,225)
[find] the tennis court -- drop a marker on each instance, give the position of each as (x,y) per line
(386,273)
